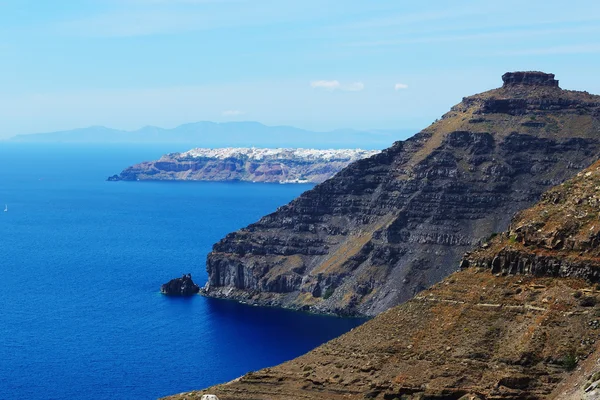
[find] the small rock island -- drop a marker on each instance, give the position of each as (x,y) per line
(183,286)
(246,164)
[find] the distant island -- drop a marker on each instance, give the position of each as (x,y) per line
(246,164)
(213,135)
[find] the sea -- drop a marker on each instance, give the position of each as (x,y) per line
(81,264)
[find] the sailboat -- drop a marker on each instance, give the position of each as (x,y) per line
(5,207)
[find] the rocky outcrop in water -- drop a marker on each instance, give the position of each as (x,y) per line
(520,320)
(183,286)
(246,164)
(388,226)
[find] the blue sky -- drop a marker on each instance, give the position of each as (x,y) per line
(316,64)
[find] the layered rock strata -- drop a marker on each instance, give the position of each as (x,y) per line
(388,226)
(558,237)
(508,325)
(246,164)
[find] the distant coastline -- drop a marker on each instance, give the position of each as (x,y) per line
(215,135)
(285,166)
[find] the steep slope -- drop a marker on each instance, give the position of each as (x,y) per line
(519,321)
(389,226)
(559,236)
(246,164)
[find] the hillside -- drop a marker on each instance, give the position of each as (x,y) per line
(520,320)
(246,164)
(388,226)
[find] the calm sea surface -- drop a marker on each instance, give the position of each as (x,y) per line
(81,264)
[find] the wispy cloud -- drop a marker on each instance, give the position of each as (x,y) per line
(515,33)
(400,86)
(409,19)
(329,85)
(232,113)
(336,85)
(127,18)
(136,23)
(353,87)
(147,2)
(591,48)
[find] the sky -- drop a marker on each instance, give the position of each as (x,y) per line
(314,64)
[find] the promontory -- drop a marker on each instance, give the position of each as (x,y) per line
(391,225)
(519,321)
(246,164)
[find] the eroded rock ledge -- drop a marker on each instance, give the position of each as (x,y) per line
(559,237)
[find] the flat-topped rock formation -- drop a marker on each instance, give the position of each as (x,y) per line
(504,327)
(533,78)
(246,164)
(388,226)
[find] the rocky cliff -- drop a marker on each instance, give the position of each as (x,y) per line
(388,226)
(558,237)
(246,164)
(520,320)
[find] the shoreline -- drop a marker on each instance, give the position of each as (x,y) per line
(282,307)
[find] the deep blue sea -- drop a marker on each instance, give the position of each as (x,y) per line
(81,264)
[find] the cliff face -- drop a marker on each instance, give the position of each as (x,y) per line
(246,164)
(521,320)
(558,237)
(390,225)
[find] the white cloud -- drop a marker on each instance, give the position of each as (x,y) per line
(336,85)
(329,85)
(400,86)
(353,87)
(232,113)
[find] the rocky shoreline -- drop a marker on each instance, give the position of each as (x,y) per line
(245,165)
(509,325)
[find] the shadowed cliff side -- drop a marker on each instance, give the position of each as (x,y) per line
(521,320)
(386,227)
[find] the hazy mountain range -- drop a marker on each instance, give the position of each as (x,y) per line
(229,134)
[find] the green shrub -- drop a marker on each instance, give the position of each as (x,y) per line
(569,361)
(328,292)
(492,235)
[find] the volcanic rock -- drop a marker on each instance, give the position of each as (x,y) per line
(183,286)
(510,325)
(534,78)
(386,227)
